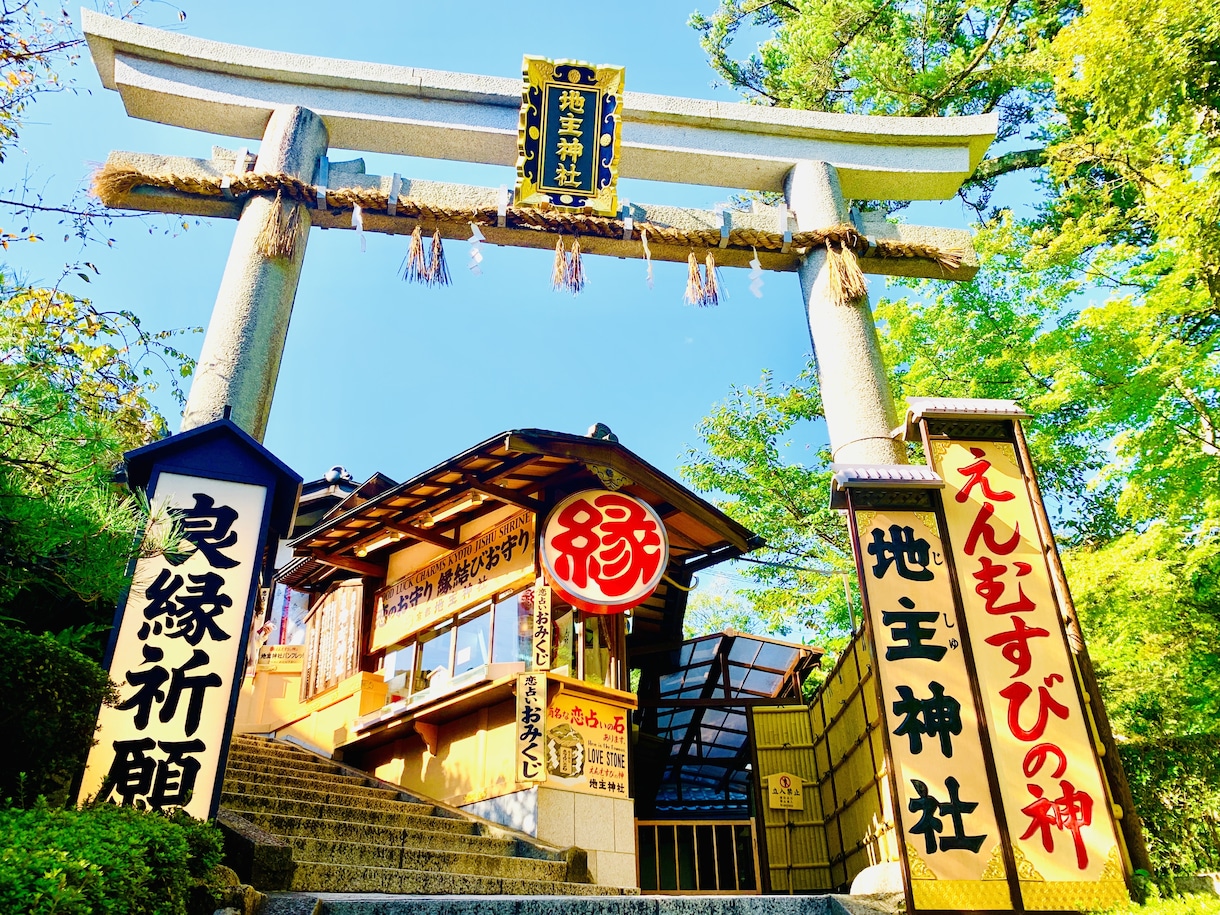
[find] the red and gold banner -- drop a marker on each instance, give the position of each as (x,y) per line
(953,841)
(1062,828)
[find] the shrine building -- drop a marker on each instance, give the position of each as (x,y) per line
(421,610)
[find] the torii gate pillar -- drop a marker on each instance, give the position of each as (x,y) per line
(851,373)
(241,354)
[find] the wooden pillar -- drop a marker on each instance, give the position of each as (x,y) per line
(241,353)
(855,390)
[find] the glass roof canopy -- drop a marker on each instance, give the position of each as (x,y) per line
(695,720)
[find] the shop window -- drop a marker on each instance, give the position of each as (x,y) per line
(400,672)
(601,640)
(588,646)
(434,657)
(562,643)
(473,645)
(510,629)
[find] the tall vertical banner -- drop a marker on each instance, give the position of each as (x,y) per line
(181,633)
(953,842)
(1062,827)
(531,727)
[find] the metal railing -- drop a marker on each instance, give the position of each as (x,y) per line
(697,856)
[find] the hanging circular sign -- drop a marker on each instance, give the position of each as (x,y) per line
(604,552)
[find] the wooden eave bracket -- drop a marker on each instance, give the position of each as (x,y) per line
(350,563)
(430,734)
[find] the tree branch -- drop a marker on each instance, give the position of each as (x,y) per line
(1009,162)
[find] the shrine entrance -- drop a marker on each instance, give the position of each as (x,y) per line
(462,643)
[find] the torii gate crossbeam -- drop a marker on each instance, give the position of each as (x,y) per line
(298,105)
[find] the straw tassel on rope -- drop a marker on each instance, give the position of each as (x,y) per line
(694,282)
(278,236)
(711,283)
(437,270)
(647,255)
(416,270)
(846,279)
(560,269)
(574,276)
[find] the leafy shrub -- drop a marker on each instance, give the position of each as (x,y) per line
(1176,786)
(102,860)
(52,696)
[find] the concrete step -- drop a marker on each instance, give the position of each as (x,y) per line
(299,766)
(285,811)
(431,860)
(321,790)
(441,839)
(318,876)
(285,782)
(357,904)
(360,809)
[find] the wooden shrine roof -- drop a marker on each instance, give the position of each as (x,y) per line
(531,469)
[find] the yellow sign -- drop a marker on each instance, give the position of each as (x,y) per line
(531,727)
(280,659)
(1053,791)
(586,745)
(785,791)
(493,561)
(568,136)
(949,828)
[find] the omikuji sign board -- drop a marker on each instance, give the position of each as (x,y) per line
(540,626)
(953,843)
(568,139)
(1059,815)
(491,562)
(531,727)
(180,636)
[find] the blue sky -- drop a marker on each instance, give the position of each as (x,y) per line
(382,375)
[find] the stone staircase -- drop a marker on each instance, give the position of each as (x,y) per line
(350,833)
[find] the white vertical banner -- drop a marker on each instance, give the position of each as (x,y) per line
(180,635)
(540,628)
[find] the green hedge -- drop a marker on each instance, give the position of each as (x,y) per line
(101,860)
(51,699)
(1176,785)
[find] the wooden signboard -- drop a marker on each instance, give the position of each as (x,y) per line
(568,139)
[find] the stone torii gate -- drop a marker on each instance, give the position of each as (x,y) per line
(299,105)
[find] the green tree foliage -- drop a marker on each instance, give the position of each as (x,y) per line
(54,694)
(1176,786)
(75,383)
(747,459)
(1096,305)
(74,388)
